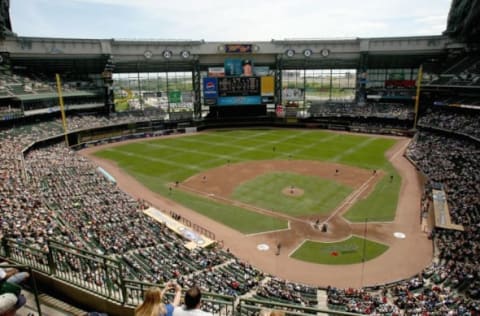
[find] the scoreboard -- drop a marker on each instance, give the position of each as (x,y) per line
(238,86)
(233,91)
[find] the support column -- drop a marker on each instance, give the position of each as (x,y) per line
(278,80)
(362,77)
(197,90)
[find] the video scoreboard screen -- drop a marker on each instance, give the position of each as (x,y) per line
(238,83)
(238,86)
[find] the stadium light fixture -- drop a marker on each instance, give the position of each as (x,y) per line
(185,54)
(167,54)
(148,54)
(290,52)
(307,52)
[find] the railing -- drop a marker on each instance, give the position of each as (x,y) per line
(87,270)
(27,255)
(105,277)
(252,307)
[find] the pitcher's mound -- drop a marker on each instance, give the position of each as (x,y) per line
(289,191)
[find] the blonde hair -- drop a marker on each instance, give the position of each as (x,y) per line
(152,304)
(267,312)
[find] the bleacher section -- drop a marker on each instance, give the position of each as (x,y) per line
(34,94)
(372,109)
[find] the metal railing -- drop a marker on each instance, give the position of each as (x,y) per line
(106,277)
(30,256)
(252,307)
(87,270)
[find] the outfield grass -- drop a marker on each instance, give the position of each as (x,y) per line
(158,162)
(320,196)
(345,252)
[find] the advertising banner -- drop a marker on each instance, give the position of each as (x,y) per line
(210,87)
(244,100)
(175,96)
(233,67)
(267,86)
(216,72)
(261,71)
(238,48)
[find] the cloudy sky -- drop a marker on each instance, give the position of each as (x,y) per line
(223,20)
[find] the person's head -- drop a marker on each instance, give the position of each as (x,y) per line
(277,313)
(193,297)
(10,303)
(152,304)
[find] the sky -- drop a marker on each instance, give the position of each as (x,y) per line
(226,20)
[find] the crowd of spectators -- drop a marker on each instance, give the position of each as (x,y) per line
(360,301)
(287,292)
(170,259)
(454,163)
(371,109)
(234,278)
(53,193)
(414,297)
(460,122)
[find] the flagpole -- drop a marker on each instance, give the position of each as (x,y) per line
(62,108)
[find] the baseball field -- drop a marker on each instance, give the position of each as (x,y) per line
(257,181)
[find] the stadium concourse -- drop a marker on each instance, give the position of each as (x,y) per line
(54,193)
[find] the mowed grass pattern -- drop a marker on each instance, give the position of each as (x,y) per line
(165,160)
(320,196)
(348,251)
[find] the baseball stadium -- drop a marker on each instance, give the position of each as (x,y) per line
(298,176)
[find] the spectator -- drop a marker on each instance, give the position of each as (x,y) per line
(10,303)
(12,275)
(192,305)
(153,303)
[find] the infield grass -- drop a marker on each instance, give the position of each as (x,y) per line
(320,196)
(165,160)
(352,250)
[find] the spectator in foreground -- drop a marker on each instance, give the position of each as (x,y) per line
(13,275)
(10,303)
(193,298)
(274,312)
(153,303)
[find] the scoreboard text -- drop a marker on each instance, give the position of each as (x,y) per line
(238,86)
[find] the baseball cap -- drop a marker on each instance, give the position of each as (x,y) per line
(9,301)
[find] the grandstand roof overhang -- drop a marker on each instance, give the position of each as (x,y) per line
(91,55)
